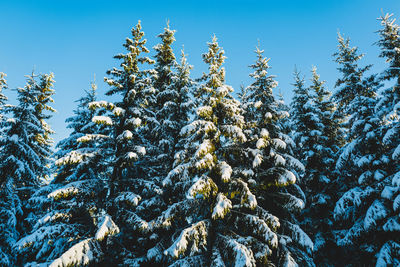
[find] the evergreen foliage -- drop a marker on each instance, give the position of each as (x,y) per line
(175,171)
(20,167)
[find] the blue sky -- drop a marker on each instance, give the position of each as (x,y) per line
(77,39)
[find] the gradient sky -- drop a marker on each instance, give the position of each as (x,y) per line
(77,39)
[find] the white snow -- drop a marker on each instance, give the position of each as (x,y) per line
(118,111)
(261,143)
(205,147)
(131,156)
(222,207)
(243,256)
(257,104)
(376,212)
(201,188)
(103,104)
(91,137)
(127,135)
(278,143)
(102,120)
(300,236)
(264,133)
(107,227)
(136,122)
(257,160)
(225,171)
(279,160)
(82,253)
(204,111)
(196,235)
(128,197)
(286,178)
(67,190)
(72,157)
(207,162)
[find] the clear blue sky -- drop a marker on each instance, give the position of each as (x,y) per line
(77,39)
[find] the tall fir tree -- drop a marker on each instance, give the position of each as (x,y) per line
(320,144)
(20,168)
(304,121)
(133,196)
(44,92)
(274,168)
(362,166)
(172,106)
(388,109)
(3,98)
(67,213)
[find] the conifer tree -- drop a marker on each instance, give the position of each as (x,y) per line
(216,219)
(133,197)
(387,217)
(66,211)
(316,130)
(171,106)
(274,167)
(362,166)
(3,98)
(19,168)
(304,122)
(197,224)
(44,91)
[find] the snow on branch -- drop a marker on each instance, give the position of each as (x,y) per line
(83,253)
(196,235)
(107,227)
(222,207)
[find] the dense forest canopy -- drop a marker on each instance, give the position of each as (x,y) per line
(175,170)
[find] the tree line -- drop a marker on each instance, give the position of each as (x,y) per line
(178,171)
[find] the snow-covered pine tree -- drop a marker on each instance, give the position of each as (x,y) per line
(285,121)
(161,132)
(3,98)
(348,86)
(132,196)
(216,219)
(388,110)
(171,106)
(8,229)
(305,123)
(272,168)
(67,213)
(44,92)
(320,143)
(360,211)
(20,167)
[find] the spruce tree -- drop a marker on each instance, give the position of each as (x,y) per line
(171,104)
(66,211)
(274,168)
(44,91)
(132,195)
(388,112)
(3,98)
(304,121)
(20,168)
(316,130)
(362,166)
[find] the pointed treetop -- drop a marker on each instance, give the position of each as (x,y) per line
(346,54)
(3,82)
(214,58)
